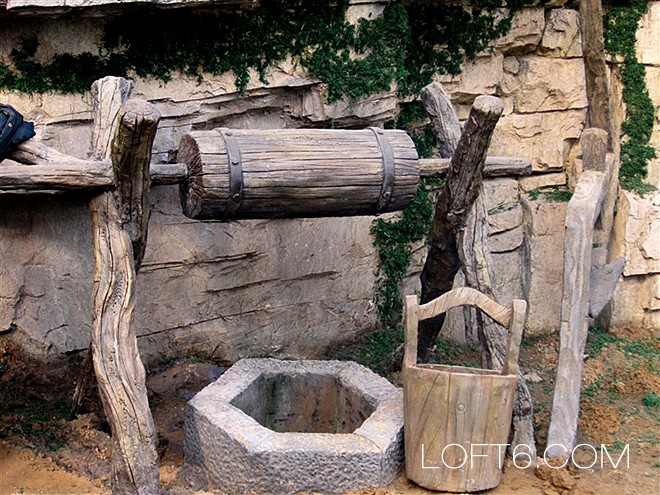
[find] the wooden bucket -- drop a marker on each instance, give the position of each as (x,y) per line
(287,173)
(457,419)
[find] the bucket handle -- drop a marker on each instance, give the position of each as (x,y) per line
(513,318)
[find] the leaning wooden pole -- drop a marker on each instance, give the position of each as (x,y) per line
(457,196)
(119,222)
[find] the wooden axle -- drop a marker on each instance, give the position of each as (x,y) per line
(86,174)
(303,174)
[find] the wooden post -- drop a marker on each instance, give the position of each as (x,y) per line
(57,177)
(599,114)
(595,68)
(119,221)
(131,155)
(583,210)
(474,253)
(458,194)
(108,96)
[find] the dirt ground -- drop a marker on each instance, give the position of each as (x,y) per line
(43,451)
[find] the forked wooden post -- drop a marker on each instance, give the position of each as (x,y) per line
(451,211)
(120,226)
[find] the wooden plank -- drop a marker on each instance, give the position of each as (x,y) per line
(465,296)
(582,212)
(56,177)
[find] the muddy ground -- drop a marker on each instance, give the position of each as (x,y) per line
(43,451)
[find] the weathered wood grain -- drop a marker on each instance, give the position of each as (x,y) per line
(119,370)
(457,196)
(120,220)
(467,407)
(596,75)
(495,166)
(131,156)
(56,177)
(108,96)
(291,173)
(445,122)
(581,215)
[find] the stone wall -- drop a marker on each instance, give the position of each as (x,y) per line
(292,288)
(637,227)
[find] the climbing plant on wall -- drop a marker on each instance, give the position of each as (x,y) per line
(407,45)
(621,23)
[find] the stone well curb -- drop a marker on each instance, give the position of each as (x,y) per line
(238,455)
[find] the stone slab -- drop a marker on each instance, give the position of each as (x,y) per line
(648,35)
(636,303)
(637,233)
(539,181)
(546,221)
(526,31)
(550,84)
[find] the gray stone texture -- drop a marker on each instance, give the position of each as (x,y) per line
(232,452)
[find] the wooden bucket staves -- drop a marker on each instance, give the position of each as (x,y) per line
(457,419)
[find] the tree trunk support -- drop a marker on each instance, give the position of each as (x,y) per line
(458,194)
(120,230)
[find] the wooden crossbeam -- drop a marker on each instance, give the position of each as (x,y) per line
(71,174)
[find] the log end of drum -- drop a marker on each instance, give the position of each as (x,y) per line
(191,190)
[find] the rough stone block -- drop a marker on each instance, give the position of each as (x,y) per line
(229,441)
(636,303)
(538,181)
(500,193)
(550,84)
(648,35)
(525,35)
(602,283)
(506,241)
(481,76)
(546,264)
(539,137)
(505,218)
(562,37)
(636,233)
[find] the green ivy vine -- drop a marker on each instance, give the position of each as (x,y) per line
(621,23)
(394,238)
(407,45)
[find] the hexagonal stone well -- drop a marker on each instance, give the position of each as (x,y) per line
(278,427)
